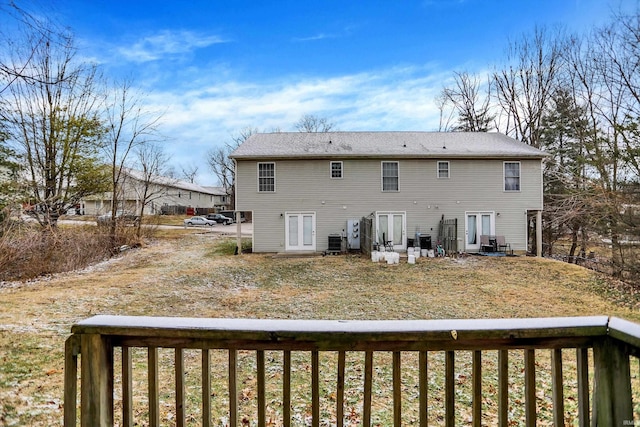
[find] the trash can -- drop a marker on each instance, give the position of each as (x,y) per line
(425,241)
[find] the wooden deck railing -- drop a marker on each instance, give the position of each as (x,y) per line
(600,355)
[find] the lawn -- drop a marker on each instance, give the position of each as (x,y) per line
(193,274)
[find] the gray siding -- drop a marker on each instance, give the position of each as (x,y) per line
(306,185)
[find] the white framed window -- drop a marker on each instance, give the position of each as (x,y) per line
(390,176)
(266,177)
(511,176)
(443,170)
(336,170)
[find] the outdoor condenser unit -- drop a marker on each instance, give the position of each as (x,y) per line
(335,243)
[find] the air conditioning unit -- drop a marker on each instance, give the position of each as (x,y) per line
(335,243)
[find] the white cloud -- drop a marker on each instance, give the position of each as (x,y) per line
(167,43)
(198,120)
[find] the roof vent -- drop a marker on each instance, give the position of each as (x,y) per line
(329,141)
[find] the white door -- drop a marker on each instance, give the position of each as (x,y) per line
(300,231)
(391,226)
(477,224)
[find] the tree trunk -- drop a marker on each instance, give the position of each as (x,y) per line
(574,246)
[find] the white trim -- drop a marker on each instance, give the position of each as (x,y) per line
(478,214)
(438,169)
(331,169)
(258,176)
(297,248)
(403,238)
(397,190)
(504,177)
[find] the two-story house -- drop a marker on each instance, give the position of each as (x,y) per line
(158,193)
(303,187)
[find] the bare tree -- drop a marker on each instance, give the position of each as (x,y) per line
(151,160)
(189,173)
(25,31)
(471,100)
(525,86)
(602,71)
(447,113)
(311,123)
(129,125)
(51,116)
(222,166)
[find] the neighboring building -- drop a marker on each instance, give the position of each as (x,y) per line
(304,187)
(164,195)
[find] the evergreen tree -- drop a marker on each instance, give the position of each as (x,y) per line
(563,135)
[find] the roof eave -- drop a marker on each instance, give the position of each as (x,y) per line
(494,156)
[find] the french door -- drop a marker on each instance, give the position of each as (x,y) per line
(478,224)
(391,227)
(300,231)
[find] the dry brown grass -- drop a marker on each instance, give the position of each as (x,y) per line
(185,274)
(28,251)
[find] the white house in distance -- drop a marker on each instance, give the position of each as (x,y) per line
(303,188)
(164,195)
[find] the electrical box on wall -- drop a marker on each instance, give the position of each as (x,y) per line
(353,233)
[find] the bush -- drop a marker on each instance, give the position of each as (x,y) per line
(27,252)
(228,247)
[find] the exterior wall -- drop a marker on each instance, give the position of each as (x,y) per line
(474,185)
(163,195)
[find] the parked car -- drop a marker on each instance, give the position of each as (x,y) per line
(199,220)
(219,218)
(232,215)
(122,216)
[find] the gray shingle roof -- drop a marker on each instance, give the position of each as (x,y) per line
(383,144)
(175,183)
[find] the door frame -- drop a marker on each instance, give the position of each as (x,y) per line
(309,248)
(492,225)
(403,238)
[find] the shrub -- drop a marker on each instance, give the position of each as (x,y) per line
(27,251)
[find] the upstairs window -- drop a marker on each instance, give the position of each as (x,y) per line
(443,170)
(390,175)
(336,170)
(511,176)
(266,177)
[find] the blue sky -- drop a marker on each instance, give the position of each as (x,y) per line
(214,67)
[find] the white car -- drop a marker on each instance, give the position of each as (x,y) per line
(199,220)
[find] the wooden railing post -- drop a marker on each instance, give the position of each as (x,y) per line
(612,394)
(97,381)
(71,351)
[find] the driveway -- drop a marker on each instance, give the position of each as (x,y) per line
(246,227)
